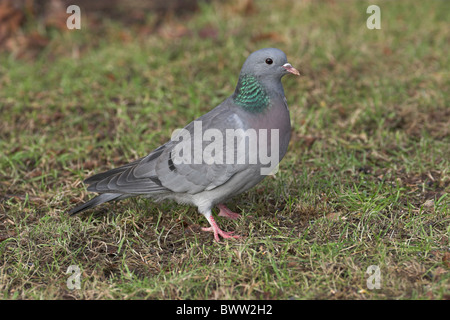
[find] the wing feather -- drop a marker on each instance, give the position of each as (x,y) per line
(163,169)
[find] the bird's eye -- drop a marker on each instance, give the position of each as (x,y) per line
(269,61)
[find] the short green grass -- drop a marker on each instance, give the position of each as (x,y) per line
(365,181)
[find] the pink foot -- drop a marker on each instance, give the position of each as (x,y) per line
(217,231)
(225,212)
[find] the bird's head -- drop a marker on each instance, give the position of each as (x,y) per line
(268,63)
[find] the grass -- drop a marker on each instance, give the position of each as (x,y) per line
(365,181)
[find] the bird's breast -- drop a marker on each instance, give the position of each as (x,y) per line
(274,125)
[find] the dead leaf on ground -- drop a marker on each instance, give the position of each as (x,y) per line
(245,7)
(10,20)
(272,36)
(446,259)
(333,216)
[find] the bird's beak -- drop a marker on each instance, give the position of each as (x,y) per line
(291,69)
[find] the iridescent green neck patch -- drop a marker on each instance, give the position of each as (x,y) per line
(250,95)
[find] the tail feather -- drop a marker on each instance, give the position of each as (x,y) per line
(102,175)
(105,197)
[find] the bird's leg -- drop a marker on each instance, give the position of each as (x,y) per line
(215,228)
(225,212)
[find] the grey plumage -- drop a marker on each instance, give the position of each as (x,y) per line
(166,173)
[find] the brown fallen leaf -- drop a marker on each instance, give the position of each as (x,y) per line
(174,30)
(208,32)
(309,141)
(244,7)
(333,216)
(272,36)
(446,259)
(10,20)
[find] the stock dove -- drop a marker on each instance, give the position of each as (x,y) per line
(217,156)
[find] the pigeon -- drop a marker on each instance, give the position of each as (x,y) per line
(219,155)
